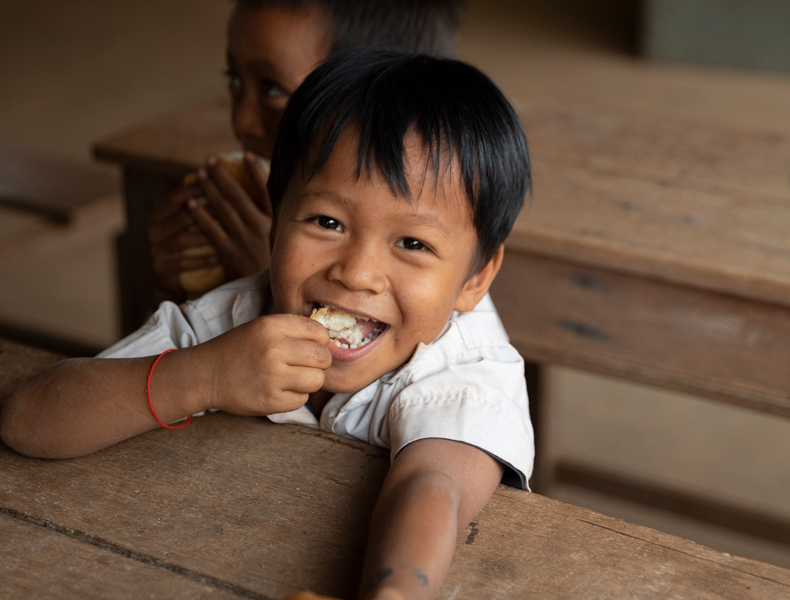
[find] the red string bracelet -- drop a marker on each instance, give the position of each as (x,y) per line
(148,393)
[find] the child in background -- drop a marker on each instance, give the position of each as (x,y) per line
(272,46)
(394,182)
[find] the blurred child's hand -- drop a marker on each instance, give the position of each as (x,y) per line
(172,230)
(240,233)
(267,366)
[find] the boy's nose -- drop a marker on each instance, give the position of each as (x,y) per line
(359,268)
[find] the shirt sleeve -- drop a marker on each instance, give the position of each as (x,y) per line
(482,403)
(168,328)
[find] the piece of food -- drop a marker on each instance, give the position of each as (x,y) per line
(198,281)
(347,330)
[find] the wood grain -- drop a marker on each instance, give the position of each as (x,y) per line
(40,562)
(275,509)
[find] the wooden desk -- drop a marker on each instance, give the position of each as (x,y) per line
(652,250)
(238,507)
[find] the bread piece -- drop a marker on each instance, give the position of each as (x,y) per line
(198,281)
(341,325)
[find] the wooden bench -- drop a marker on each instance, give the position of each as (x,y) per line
(239,507)
(49,186)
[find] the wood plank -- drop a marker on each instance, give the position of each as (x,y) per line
(724,241)
(645,330)
(39,561)
(273,509)
(53,187)
(175,143)
(686,151)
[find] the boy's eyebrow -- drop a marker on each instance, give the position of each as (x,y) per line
(428,220)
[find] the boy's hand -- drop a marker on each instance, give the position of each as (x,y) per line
(173,230)
(267,366)
(240,233)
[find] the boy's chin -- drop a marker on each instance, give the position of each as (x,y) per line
(338,383)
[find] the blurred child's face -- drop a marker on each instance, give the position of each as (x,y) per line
(353,245)
(270,52)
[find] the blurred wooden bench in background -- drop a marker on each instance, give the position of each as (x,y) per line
(52,187)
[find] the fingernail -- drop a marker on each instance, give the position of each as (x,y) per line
(202,173)
(192,203)
(211,161)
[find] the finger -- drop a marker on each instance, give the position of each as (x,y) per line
(307,353)
(176,200)
(210,226)
(260,176)
(225,209)
(290,400)
(233,191)
(183,240)
(299,327)
(303,380)
(162,229)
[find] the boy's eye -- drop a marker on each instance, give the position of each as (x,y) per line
(328,223)
(410,244)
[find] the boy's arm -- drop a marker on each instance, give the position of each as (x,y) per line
(81,405)
(434,488)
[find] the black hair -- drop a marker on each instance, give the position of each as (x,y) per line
(429,26)
(385,93)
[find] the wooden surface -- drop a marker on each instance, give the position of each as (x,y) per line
(53,187)
(239,507)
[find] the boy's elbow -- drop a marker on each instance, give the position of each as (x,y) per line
(14,431)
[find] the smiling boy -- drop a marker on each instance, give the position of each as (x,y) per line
(394,184)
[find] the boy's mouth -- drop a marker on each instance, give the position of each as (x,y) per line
(347,331)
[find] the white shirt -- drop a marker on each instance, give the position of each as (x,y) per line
(467,385)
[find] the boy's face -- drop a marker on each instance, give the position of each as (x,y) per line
(270,52)
(353,245)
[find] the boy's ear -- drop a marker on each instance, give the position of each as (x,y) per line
(477,285)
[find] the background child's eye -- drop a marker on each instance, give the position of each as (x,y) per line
(234,82)
(410,244)
(329,223)
(270,89)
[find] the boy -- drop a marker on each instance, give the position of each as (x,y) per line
(272,46)
(394,183)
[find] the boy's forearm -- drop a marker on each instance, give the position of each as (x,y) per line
(81,405)
(412,538)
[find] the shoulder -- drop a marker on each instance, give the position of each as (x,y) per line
(467,386)
(466,338)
